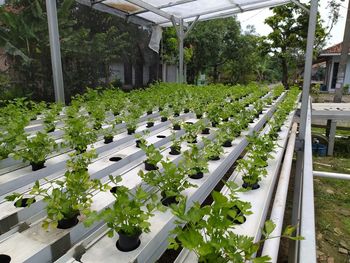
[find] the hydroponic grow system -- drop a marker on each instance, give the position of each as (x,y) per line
(15,224)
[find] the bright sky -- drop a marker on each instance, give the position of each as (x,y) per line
(257,18)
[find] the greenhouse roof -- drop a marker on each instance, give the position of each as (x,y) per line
(165,12)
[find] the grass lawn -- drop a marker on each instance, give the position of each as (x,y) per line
(332,205)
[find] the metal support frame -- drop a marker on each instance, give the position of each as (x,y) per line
(55,50)
(331,137)
(301,173)
(332,175)
(181,35)
(300,5)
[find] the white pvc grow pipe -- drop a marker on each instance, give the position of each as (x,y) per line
(271,246)
(332,175)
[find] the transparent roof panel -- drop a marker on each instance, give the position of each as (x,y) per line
(161,11)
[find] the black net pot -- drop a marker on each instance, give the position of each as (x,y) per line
(252,186)
(198,175)
(138,143)
(160,108)
(131,130)
(192,141)
(225,120)
(214,124)
(149,112)
(51,130)
(150,167)
(116,113)
(186,110)
(108,139)
(23,203)
(37,166)
(175,150)
(163,119)
(214,158)
(66,223)
(97,126)
(206,131)
(167,201)
(198,116)
(227,143)
(176,114)
(239,213)
(5,258)
(176,127)
(127,242)
(150,124)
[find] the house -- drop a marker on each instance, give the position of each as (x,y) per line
(331,56)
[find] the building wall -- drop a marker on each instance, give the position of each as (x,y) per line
(336,59)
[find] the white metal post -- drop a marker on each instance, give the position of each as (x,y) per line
(55,50)
(293,257)
(181,37)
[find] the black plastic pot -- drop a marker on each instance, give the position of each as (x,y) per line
(252,186)
(227,143)
(225,120)
(97,126)
(5,258)
(150,124)
(149,112)
(193,141)
(186,110)
(198,116)
(79,151)
(177,127)
(175,150)
(198,175)
(214,158)
(37,166)
(206,131)
(163,119)
(138,143)
(131,130)
(128,243)
(214,124)
(114,189)
(116,113)
(176,114)
(23,203)
(108,139)
(167,201)
(150,167)
(51,130)
(239,212)
(160,108)
(66,223)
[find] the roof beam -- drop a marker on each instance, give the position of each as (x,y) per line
(113,11)
(248,7)
(153,9)
(171,4)
(300,5)
(235,4)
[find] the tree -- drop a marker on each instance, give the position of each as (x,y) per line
(287,40)
(209,40)
(90,40)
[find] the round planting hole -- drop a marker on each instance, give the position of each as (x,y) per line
(24,203)
(189,122)
(115,159)
(5,258)
(161,136)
